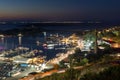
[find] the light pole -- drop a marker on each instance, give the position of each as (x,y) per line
(20,38)
(38,43)
(45,34)
(2,38)
(96,44)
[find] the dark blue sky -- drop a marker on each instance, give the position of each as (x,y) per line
(60,9)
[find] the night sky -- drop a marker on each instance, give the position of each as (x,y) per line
(60,10)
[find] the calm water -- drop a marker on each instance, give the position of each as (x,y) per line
(30,42)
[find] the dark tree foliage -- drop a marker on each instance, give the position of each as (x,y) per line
(112,73)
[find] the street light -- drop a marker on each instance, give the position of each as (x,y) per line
(20,38)
(2,38)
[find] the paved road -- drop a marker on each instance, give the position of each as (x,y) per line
(22,74)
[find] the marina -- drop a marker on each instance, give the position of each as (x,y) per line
(36,55)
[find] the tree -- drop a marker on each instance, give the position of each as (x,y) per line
(62,65)
(84,61)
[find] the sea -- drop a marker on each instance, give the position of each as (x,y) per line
(29,41)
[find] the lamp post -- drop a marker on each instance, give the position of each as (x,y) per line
(20,38)
(2,38)
(38,43)
(45,36)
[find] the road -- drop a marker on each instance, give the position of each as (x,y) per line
(22,74)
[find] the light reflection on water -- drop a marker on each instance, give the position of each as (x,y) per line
(30,42)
